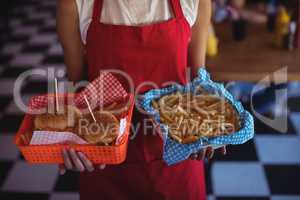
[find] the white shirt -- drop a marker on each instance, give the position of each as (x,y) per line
(133,12)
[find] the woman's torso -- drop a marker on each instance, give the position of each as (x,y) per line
(155,53)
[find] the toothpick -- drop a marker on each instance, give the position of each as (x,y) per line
(89,107)
(56,96)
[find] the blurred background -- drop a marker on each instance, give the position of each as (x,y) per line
(253,48)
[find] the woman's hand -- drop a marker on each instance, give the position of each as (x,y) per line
(76,161)
(207,153)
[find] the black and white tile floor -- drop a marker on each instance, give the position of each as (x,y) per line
(266,168)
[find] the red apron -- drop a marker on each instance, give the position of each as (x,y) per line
(156,53)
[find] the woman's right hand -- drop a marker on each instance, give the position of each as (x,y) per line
(76,161)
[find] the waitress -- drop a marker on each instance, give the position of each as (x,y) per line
(150,40)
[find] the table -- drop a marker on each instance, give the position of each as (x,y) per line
(252,59)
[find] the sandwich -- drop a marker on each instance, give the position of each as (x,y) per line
(101,130)
(64,120)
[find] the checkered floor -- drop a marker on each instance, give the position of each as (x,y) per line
(266,168)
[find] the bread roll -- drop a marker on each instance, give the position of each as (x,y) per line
(65,120)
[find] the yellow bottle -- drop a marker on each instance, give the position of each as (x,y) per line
(282,26)
(212,43)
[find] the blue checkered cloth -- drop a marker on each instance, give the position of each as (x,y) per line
(174,152)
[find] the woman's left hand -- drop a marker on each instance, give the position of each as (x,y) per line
(207,153)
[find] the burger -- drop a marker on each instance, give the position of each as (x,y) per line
(65,120)
(118,109)
(103,131)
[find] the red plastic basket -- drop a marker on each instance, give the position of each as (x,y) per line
(52,154)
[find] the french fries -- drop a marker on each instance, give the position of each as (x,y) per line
(117,108)
(192,116)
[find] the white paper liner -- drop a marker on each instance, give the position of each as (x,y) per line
(52,137)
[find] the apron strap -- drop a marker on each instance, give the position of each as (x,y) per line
(97,10)
(177,9)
